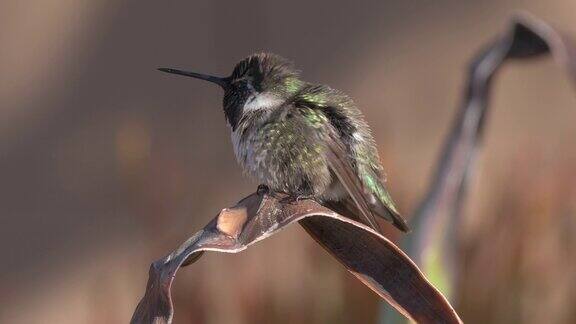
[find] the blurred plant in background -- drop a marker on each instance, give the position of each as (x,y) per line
(435,244)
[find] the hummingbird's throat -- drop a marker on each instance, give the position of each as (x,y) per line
(261,101)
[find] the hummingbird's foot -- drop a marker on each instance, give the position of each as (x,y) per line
(304,197)
(263,190)
(295,198)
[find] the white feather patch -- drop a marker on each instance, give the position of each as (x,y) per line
(261,101)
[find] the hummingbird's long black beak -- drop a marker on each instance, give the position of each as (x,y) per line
(223,82)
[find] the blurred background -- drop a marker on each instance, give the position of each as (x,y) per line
(107,164)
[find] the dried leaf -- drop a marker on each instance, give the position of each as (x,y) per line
(372,258)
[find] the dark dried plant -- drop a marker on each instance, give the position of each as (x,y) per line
(433,245)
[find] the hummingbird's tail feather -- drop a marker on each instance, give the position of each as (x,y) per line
(381,202)
(401,224)
(389,214)
(348,208)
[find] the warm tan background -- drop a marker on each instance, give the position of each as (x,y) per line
(106,164)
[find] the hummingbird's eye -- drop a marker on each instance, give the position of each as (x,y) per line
(249,86)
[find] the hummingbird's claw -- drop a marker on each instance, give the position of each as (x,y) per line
(296,198)
(303,197)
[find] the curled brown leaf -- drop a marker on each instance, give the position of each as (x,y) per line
(376,261)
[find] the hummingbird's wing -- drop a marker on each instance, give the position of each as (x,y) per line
(339,163)
(369,195)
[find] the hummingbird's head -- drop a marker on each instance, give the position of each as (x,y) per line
(259,82)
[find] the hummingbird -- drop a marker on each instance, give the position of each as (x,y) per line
(306,140)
